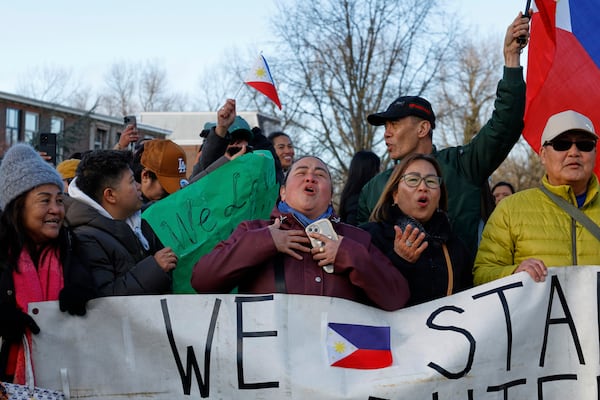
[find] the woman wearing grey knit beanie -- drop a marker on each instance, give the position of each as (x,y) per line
(37,262)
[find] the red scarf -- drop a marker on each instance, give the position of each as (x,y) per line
(31,285)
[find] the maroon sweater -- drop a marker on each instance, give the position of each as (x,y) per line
(247,260)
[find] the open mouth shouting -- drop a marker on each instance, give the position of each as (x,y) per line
(423,201)
(310,189)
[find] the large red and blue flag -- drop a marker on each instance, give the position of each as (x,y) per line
(563,64)
(358,346)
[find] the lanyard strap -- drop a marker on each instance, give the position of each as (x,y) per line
(450,271)
(574,212)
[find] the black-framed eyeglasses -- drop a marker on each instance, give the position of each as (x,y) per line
(564,145)
(412,179)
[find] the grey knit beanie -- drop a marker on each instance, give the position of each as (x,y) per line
(21,170)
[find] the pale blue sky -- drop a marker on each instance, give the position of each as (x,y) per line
(186,36)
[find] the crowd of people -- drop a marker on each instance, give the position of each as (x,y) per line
(413,233)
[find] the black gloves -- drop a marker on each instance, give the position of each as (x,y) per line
(73,299)
(15,322)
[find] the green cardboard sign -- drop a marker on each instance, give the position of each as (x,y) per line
(194,219)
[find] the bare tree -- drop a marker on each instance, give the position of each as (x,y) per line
(131,88)
(121,86)
(522,168)
(153,90)
(54,84)
(345,59)
(467,90)
(222,81)
(465,102)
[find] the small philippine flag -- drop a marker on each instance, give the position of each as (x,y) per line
(260,79)
(358,346)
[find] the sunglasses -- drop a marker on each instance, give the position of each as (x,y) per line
(564,145)
(413,180)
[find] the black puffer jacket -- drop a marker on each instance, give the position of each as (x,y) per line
(428,276)
(119,263)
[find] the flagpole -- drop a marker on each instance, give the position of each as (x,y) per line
(523,39)
(235,96)
(239,90)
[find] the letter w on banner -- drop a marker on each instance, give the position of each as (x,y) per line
(563,64)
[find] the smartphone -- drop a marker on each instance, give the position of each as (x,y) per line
(130,120)
(324,227)
(415,224)
(233,150)
(48,145)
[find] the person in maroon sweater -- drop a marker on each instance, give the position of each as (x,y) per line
(272,256)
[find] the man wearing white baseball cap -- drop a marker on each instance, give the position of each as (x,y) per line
(551,225)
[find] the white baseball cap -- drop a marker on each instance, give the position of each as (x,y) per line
(567,121)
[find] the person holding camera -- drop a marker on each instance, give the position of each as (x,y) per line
(267,256)
(225,141)
(129,135)
(229,138)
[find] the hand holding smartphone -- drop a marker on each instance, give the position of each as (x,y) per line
(48,146)
(130,135)
(324,227)
(130,120)
(233,150)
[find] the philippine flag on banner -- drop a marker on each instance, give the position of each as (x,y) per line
(358,346)
(260,79)
(563,64)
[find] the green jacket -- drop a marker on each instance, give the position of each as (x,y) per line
(466,169)
(528,224)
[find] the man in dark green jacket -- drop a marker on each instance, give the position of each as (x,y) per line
(409,122)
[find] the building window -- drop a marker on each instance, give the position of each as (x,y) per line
(56,125)
(100,139)
(12,126)
(31,126)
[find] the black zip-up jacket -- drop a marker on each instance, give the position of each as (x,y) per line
(428,276)
(119,264)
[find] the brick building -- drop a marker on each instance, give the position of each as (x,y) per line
(22,119)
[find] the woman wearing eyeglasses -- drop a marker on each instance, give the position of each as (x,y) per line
(410,225)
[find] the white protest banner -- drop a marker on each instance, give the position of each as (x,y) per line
(508,339)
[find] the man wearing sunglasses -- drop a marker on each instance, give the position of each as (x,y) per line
(529,231)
